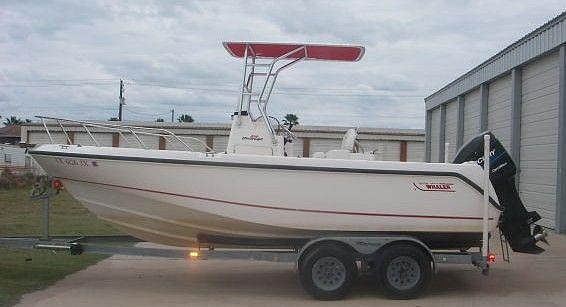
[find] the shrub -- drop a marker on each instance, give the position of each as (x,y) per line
(9,180)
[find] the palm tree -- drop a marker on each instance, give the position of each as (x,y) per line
(291,120)
(185,118)
(12,120)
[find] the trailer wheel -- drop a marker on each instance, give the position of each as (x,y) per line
(404,271)
(327,272)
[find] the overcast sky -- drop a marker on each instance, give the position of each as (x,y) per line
(64,58)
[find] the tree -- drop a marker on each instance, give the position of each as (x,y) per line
(291,120)
(113,119)
(12,120)
(185,118)
(159,120)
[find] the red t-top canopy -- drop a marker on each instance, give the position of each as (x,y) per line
(313,52)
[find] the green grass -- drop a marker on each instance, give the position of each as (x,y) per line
(21,216)
(23,271)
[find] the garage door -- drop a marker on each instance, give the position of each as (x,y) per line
(451,128)
(435,135)
(539,137)
(220,143)
(324,145)
(499,110)
(150,141)
(295,148)
(41,137)
(103,139)
(415,151)
(472,106)
(173,144)
(384,150)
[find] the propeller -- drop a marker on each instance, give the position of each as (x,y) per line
(540,234)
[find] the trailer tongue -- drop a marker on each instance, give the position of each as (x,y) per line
(516,223)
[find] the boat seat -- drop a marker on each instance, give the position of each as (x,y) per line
(349,140)
(347,149)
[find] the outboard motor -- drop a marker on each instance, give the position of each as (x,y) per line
(516,223)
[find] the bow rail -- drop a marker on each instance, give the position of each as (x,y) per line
(135,131)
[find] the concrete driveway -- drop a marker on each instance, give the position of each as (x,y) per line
(528,280)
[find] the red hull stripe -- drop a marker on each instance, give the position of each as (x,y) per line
(281,208)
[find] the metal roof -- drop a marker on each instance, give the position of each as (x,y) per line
(540,41)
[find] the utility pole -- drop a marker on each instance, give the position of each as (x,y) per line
(172,115)
(122,100)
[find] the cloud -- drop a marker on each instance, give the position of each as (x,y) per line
(170,55)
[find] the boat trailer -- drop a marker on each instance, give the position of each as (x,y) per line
(327,266)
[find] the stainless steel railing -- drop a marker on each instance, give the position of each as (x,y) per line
(121,129)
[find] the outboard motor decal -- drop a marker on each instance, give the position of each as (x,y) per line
(516,223)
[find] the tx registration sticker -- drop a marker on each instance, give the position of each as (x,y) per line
(76,162)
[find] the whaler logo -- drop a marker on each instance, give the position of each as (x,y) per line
(434,186)
(252,137)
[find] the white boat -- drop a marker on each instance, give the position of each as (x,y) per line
(253,194)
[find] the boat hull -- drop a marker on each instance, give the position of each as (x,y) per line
(182,199)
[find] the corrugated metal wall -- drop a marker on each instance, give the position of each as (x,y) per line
(220,143)
(40,137)
(324,145)
(539,137)
(172,144)
(295,148)
(415,151)
(384,150)
(451,128)
(472,107)
(150,141)
(103,139)
(435,135)
(535,57)
(499,110)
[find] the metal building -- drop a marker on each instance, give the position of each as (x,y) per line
(520,95)
(387,144)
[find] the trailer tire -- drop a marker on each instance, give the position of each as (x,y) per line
(404,271)
(327,272)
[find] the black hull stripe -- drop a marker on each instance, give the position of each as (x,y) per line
(273,166)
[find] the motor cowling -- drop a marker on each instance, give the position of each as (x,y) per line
(516,223)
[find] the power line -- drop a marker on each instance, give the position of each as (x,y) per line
(162,83)
(146,114)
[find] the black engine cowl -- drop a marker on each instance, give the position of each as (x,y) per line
(516,223)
